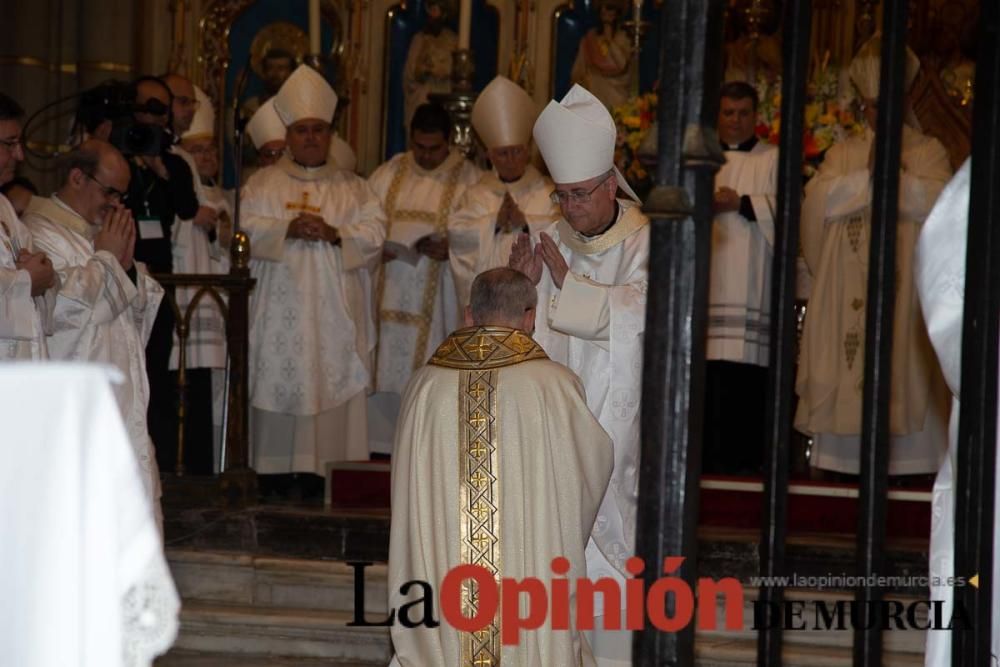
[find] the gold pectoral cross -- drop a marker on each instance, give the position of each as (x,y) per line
(302,206)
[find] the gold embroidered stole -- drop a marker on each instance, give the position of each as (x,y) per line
(478,353)
(440,221)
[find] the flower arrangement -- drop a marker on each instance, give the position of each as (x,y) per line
(830,117)
(633,119)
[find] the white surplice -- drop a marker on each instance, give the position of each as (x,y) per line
(83,575)
(312,331)
(417,307)
(940,275)
(101,316)
(498,462)
(594,325)
(835,242)
(739,292)
(23,319)
(474,243)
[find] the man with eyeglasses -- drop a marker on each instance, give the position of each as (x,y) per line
(591,269)
(511,198)
(106,301)
(836,217)
(26,275)
(201,245)
(420,191)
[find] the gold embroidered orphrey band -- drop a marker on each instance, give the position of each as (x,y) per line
(440,221)
(482,348)
(479,497)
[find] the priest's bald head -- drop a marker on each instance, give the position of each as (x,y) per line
(503,298)
(577,140)
(95,180)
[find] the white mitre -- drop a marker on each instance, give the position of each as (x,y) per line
(305,94)
(504,114)
(577,139)
(866,67)
(265,125)
(203,124)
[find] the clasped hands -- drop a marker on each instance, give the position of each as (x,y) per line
(510,218)
(726,200)
(39,267)
(117,236)
(529,261)
(309,227)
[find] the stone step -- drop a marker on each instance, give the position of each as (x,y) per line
(291,586)
(244,579)
(279,633)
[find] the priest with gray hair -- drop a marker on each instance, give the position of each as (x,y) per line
(498,463)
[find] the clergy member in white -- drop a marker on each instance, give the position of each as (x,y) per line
(835,242)
(416,299)
(512,198)
(531,469)
(940,274)
(106,302)
(204,248)
(316,236)
(591,268)
(739,292)
(267,132)
(26,276)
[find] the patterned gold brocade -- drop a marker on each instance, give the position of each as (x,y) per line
(486,348)
(421,320)
(631,221)
(479,497)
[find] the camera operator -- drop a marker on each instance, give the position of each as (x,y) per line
(160,191)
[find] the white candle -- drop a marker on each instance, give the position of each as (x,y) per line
(314,43)
(464,24)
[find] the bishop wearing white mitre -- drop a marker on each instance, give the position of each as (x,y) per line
(835,240)
(591,269)
(417,307)
(512,198)
(316,236)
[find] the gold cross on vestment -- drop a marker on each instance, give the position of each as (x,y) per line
(302,206)
(477,391)
(480,540)
(478,448)
(483,660)
(479,510)
(481,348)
(478,479)
(477,419)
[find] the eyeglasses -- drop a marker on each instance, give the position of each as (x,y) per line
(185,101)
(13,143)
(109,192)
(576,196)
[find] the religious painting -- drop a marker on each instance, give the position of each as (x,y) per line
(595,45)
(420,37)
(250,47)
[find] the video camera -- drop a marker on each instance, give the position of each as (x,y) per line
(115,101)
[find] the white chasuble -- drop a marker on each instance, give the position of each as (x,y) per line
(739,292)
(474,243)
(101,315)
(416,300)
(23,318)
(498,463)
(835,242)
(311,327)
(940,275)
(594,325)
